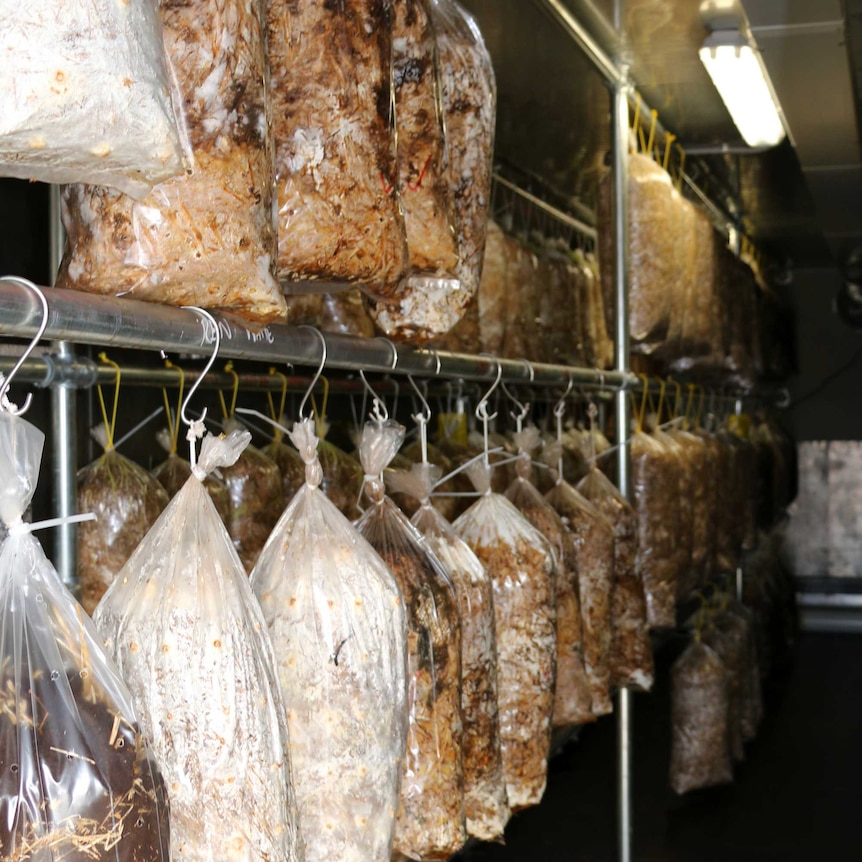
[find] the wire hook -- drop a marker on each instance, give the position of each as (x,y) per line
(523,409)
(560,406)
(436,355)
(425,415)
(378,409)
(216,336)
(394,350)
(4,389)
(320,368)
(482,406)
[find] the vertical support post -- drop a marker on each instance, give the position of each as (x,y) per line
(64,425)
(620,144)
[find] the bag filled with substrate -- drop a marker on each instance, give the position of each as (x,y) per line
(77,780)
(700,756)
(188,636)
(85,95)
(631,651)
(486,805)
(336,619)
(431,816)
(520,564)
(208,237)
(572,698)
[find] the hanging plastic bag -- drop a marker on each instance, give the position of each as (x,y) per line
(492,292)
(126,501)
(256,500)
(699,713)
(520,564)
(631,651)
(731,647)
(339,218)
(345,313)
(85,96)
(337,623)
(77,779)
(431,815)
(572,698)
(486,805)
(655,487)
(191,642)
(594,564)
(738,622)
(206,238)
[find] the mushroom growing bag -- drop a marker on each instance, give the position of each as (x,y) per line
(520,564)
(76,778)
(189,638)
(431,816)
(336,618)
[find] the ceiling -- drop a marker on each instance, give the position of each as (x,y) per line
(801,201)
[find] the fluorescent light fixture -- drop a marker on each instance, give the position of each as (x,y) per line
(743,84)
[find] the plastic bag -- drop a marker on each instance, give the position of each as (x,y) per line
(520,564)
(631,651)
(731,647)
(603,344)
(126,501)
(254,483)
(206,238)
(431,816)
(337,623)
(572,699)
(485,799)
(655,487)
(423,181)
(339,217)
(739,622)
(700,756)
(189,638)
(492,292)
(594,564)
(77,780)
(345,313)
(85,96)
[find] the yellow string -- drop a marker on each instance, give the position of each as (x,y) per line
(276,417)
(320,415)
(669,139)
(636,124)
(678,399)
(227,414)
(654,114)
(174,424)
(642,411)
(110,426)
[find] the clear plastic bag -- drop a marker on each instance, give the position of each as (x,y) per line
(337,623)
(77,780)
(339,218)
(126,501)
(190,640)
(520,564)
(345,313)
(731,647)
(631,651)
(594,564)
(739,622)
(655,487)
(572,698)
(206,238)
(700,756)
(485,799)
(85,96)
(492,292)
(254,484)
(431,815)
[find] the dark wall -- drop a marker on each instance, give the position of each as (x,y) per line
(827,391)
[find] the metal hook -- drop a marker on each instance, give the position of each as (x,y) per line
(523,409)
(207,318)
(378,409)
(530,370)
(560,406)
(320,368)
(397,387)
(436,356)
(426,409)
(4,389)
(482,406)
(394,350)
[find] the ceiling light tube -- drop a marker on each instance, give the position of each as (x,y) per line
(743,84)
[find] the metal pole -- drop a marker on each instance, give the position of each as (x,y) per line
(64,427)
(620,144)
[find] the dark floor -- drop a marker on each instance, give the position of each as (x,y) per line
(798,795)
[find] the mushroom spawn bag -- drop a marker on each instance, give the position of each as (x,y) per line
(76,778)
(339,218)
(189,638)
(337,623)
(85,95)
(594,564)
(431,816)
(520,564)
(631,651)
(206,238)
(700,756)
(572,699)
(126,500)
(428,305)
(174,472)
(486,805)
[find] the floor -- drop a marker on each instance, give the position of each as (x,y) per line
(797,796)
